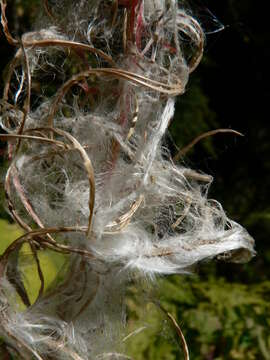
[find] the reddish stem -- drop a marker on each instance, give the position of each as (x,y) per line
(134,4)
(122,121)
(140,27)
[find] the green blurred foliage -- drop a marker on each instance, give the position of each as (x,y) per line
(226,320)
(220,320)
(8,233)
(50,262)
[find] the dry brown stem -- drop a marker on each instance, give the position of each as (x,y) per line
(195,29)
(137,79)
(60,347)
(178,330)
(181,218)
(86,162)
(193,175)
(69,44)
(21,346)
(11,206)
(24,199)
(4,23)
(27,103)
(30,137)
(46,242)
(123,220)
(48,10)
(39,269)
(183,151)
(13,64)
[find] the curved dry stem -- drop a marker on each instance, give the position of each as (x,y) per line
(90,172)
(71,45)
(4,23)
(25,226)
(193,175)
(183,151)
(114,11)
(9,137)
(88,301)
(53,230)
(27,103)
(124,38)
(169,89)
(195,31)
(177,328)
(14,277)
(44,43)
(123,220)
(49,42)
(11,206)
(48,10)
(13,64)
(60,347)
(137,79)
(25,201)
(86,162)
(135,332)
(39,270)
(23,349)
(53,153)
(182,217)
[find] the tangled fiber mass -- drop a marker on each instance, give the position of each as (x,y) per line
(88,98)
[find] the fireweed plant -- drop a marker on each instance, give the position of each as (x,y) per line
(87,100)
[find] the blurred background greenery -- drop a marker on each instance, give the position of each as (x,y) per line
(223,309)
